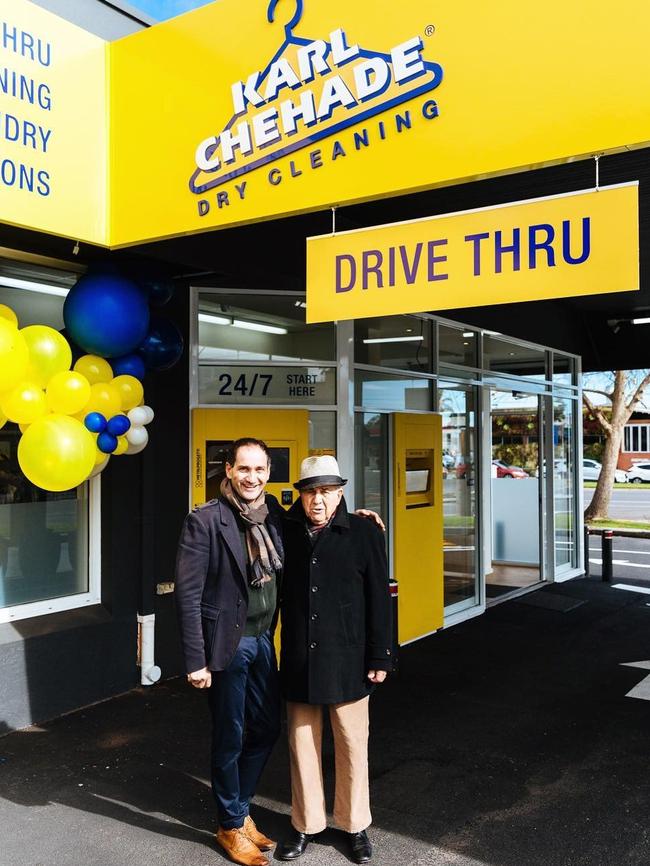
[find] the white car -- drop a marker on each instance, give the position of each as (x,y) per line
(591,471)
(639,472)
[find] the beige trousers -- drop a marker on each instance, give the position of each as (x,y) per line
(352,797)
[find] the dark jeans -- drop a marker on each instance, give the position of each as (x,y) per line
(245,705)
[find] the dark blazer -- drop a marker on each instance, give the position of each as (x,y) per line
(335,609)
(211,583)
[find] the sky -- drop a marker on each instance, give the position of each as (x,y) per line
(163,9)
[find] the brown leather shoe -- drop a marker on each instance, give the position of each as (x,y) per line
(239,847)
(263,842)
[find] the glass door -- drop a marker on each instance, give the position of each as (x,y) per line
(517,492)
(457,406)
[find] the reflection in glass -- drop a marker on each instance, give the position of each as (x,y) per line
(371,454)
(564,479)
(260,328)
(401,342)
(515,492)
(457,346)
(499,356)
(374,390)
(456,404)
(563,367)
(43,536)
(322,433)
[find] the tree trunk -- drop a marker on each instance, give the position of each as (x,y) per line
(598,508)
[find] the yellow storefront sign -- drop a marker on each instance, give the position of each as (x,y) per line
(581,244)
(53,124)
(238,112)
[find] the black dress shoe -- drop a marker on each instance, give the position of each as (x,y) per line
(294,846)
(360,847)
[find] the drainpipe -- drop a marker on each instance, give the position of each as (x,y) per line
(150,673)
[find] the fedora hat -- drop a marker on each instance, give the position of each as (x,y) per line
(319,471)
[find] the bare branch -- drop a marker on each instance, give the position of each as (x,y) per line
(597,413)
(595,391)
(638,394)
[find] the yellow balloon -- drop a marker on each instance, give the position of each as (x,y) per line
(49,353)
(100,456)
(131,391)
(8,314)
(57,453)
(67,393)
(104,398)
(94,368)
(14,355)
(24,403)
(3,420)
(122,445)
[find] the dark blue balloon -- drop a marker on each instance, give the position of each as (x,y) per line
(163,345)
(160,291)
(118,425)
(95,422)
(106,314)
(106,442)
(129,365)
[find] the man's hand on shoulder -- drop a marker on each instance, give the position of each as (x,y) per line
(200,679)
(371,515)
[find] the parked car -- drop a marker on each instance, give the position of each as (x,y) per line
(505,470)
(639,472)
(591,471)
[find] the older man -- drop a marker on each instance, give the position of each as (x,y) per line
(336,646)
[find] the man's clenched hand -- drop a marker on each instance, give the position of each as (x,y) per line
(200,679)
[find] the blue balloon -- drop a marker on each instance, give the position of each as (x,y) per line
(95,422)
(163,345)
(106,314)
(129,365)
(160,291)
(118,425)
(106,442)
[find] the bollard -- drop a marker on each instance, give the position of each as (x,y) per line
(393,598)
(607,550)
(586,551)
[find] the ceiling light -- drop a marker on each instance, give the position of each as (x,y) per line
(644,321)
(395,340)
(257,326)
(468,334)
(213,320)
(27,285)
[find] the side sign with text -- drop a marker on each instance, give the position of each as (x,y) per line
(580,244)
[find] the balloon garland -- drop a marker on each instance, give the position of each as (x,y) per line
(74,420)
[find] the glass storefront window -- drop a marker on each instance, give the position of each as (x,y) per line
(457,346)
(401,342)
(563,369)
(371,454)
(456,404)
(237,327)
(375,390)
(43,536)
(500,356)
(564,484)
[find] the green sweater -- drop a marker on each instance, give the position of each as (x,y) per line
(262,600)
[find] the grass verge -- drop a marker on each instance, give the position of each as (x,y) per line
(618,524)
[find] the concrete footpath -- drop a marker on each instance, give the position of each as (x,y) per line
(507,741)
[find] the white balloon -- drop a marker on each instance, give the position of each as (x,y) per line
(100,467)
(150,413)
(135,449)
(137,436)
(138,416)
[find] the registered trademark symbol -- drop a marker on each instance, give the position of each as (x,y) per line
(429,30)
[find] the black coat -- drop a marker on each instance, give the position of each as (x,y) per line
(211,583)
(335,609)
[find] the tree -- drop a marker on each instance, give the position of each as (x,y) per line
(624,394)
